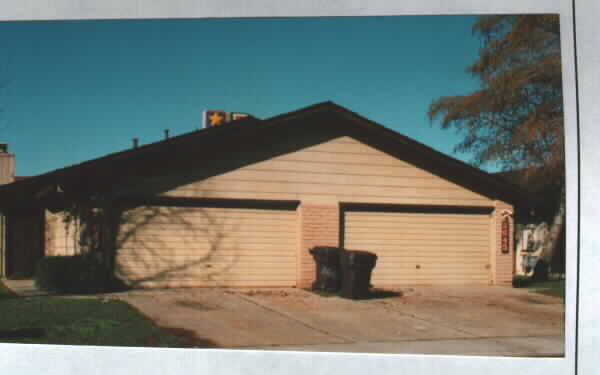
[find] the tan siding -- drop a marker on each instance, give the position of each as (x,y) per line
(447,248)
(342,169)
(192,282)
(169,246)
(7,168)
(50,221)
(349,169)
(64,235)
(320,176)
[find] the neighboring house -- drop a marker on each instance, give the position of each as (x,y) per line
(241,204)
(532,221)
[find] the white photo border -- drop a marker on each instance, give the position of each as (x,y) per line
(582,346)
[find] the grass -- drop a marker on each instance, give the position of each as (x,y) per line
(82,321)
(5,293)
(555,288)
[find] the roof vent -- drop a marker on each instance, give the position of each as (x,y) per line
(135,142)
(3,148)
(166,133)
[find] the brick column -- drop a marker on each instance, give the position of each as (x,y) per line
(503,263)
(318,225)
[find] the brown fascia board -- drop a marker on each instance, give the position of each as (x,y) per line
(110,169)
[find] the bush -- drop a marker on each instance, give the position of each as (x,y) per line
(540,271)
(73,274)
(520,281)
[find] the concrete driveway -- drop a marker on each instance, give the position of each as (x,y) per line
(427,320)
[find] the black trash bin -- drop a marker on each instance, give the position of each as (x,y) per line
(328,277)
(356,270)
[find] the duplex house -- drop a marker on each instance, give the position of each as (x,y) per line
(242,203)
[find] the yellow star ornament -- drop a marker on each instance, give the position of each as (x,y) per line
(216,119)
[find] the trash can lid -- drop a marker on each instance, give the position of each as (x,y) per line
(360,257)
(325,250)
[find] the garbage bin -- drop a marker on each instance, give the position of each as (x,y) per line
(356,271)
(328,276)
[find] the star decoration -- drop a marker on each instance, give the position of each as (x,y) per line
(215,119)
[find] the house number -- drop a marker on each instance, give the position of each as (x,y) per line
(504,235)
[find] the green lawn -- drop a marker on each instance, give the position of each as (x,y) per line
(5,293)
(554,288)
(83,321)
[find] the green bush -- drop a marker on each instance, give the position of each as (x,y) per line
(520,281)
(73,274)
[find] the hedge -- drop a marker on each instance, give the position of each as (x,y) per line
(73,274)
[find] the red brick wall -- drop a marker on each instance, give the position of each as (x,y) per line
(504,264)
(318,225)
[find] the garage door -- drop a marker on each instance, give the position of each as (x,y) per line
(422,248)
(201,246)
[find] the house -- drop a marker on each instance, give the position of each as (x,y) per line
(241,204)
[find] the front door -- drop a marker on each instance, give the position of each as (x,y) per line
(24,243)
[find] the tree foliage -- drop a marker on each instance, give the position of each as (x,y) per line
(515,119)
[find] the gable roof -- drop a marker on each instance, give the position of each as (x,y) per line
(102,174)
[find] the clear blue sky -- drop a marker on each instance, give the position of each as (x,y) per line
(77,90)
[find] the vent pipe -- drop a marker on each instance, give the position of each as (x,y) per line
(135,142)
(166,133)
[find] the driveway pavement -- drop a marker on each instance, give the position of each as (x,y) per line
(428,320)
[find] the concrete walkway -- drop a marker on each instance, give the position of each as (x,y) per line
(24,288)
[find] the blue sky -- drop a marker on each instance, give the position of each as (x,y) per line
(77,90)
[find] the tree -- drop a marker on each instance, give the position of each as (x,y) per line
(515,119)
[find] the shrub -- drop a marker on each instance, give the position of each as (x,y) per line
(520,281)
(540,271)
(73,274)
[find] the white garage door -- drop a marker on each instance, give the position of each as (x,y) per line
(193,246)
(422,248)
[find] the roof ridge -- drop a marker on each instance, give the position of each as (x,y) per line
(377,133)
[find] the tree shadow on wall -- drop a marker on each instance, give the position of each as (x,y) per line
(160,246)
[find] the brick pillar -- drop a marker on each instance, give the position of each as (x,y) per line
(318,225)
(503,263)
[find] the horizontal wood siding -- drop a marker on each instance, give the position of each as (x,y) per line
(446,248)
(7,168)
(342,169)
(196,246)
(63,236)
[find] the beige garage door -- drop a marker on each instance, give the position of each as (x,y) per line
(182,246)
(422,248)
